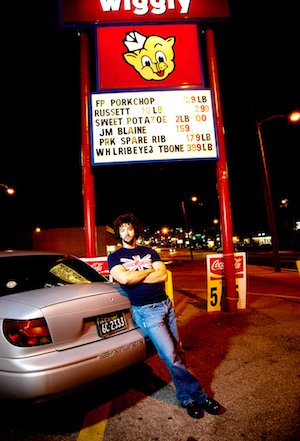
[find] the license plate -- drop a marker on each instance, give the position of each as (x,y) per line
(110,323)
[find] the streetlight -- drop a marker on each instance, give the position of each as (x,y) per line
(8,190)
(186,225)
(284,203)
(293,117)
(217,233)
(193,199)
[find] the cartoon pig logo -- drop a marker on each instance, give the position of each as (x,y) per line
(152,57)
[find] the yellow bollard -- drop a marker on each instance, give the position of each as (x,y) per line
(298,266)
(169,287)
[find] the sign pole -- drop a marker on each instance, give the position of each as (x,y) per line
(87,176)
(222,180)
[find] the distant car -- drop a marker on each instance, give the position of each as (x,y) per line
(62,326)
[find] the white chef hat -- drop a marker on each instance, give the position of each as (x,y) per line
(134,41)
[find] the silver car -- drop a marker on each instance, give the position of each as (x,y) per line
(62,326)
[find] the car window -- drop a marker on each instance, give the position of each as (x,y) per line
(24,273)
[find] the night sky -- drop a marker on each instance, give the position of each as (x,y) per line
(258,61)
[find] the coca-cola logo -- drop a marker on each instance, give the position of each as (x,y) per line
(238,264)
(100,266)
(217,266)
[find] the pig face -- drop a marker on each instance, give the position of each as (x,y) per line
(155,61)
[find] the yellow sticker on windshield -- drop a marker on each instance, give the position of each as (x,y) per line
(68,274)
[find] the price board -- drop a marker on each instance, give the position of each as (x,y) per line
(152,126)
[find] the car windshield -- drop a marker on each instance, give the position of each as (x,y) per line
(24,273)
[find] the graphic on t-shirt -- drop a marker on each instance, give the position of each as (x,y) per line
(137,263)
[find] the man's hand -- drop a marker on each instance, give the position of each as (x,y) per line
(158,275)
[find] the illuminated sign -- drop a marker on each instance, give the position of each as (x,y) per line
(152,126)
(104,11)
(148,56)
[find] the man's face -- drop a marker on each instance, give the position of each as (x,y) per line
(127,234)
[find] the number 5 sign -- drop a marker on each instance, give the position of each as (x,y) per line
(215,280)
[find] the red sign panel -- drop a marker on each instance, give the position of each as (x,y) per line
(99,264)
(216,268)
(104,11)
(148,56)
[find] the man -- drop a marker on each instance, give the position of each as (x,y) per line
(140,272)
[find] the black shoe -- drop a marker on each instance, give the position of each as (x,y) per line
(194,410)
(211,406)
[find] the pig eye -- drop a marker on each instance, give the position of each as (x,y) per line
(146,61)
(160,57)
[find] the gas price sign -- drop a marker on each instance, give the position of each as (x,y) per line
(152,126)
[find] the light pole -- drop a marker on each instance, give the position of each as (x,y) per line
(193,199)
(294,117)
(186,225)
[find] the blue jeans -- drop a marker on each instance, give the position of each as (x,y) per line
(159,321)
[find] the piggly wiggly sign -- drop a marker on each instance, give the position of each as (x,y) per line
(147,56)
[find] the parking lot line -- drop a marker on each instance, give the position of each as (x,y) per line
(272,295)
(94,424)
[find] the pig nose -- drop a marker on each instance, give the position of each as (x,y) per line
(161,66)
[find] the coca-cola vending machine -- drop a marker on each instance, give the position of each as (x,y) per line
(215,280)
